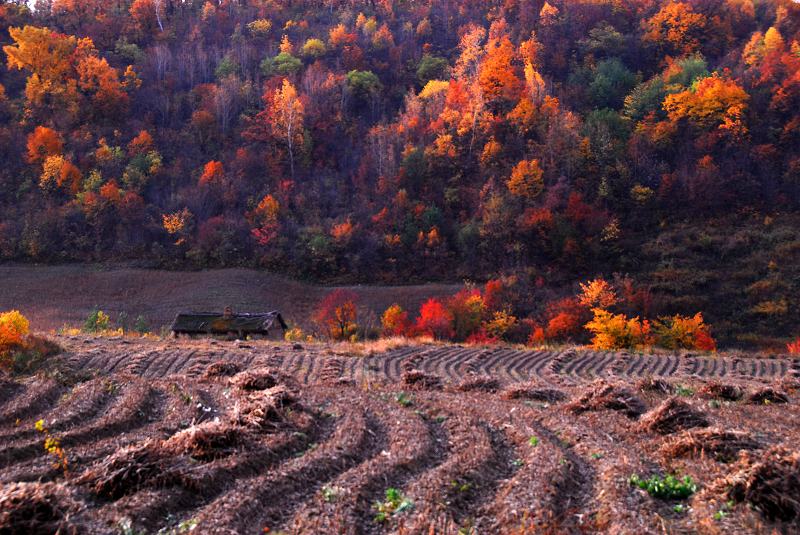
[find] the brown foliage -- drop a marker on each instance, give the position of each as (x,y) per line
(130,469)
(766,395)
(603,395)
(262,409)
(417,379)
(206,441)
(36,509)
(483,383)
(769,483)
(721,444)
(220,369)
(671,416)
(524,391)
(255,379)
(717,390)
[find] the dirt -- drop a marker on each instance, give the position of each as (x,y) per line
(54,296)
(262,437)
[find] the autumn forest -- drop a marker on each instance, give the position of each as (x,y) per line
(649,146)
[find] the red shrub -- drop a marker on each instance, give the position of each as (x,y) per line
(434,320)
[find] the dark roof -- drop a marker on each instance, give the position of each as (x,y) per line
(217,323)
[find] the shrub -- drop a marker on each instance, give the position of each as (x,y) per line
(97,321)
(565,319)
(616,331)
(434,320)
(500,325)
(296,334)
(680,332)
(14,327)
(395,321)
(466,309)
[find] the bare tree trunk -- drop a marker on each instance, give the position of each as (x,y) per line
(157,4)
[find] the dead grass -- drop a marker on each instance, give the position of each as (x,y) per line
(527,391)
(255,379)
(417,379)
(671,416)
(770,483)
(206,441)
(36,508)
(766,395)
(721,444)
(603,395)
(477,382)
(222,368)
(130,469)
(717,390)
(263,409)
(381,345)
(651,384)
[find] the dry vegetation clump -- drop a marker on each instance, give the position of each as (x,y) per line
(255,379)
(417,379)
(36,508)
(671,416)
(263,409)
(524,391)
(717,390)
(770,483)
(206,441)
(222,368)
(767,395)
(721,444)
(331,371)
(652,384)
(603,395)
(130,469)
(788,384)
(477,382)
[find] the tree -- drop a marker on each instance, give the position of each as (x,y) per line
(288,114)
(337,314)
(145,11)
(264,219)
(714,101)
(43,142)
(597,293)
(612,81)
(364,85)
(526,180)
(497,75)
(676,29)
(213,172)
(431,68)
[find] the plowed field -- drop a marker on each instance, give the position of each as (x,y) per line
(257,437)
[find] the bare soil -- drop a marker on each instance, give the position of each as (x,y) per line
(54,296)
(258,436)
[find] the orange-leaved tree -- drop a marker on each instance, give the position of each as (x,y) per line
(337,315)
(395,321)
(44,142)
(682,332)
